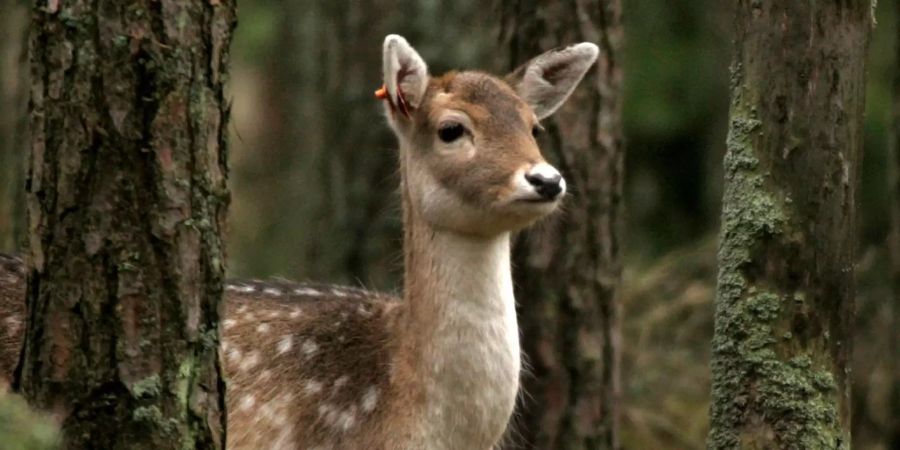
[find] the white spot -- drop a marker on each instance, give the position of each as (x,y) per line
(370,399)
(305,291)
(340,382)
(275,292)
(363,310)
(265,375)
(228,323)
(234,355)
(263,328)
(334,416)
(243,289)
(285,344)
(249,317)
(274,314)
(247,402)
(346,420)
(312,387)
(295,313)
(329,412)
(310,348)
(242,309)
(339,293)
(250,361)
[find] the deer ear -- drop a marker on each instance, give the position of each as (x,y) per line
(546,81)
(405,73)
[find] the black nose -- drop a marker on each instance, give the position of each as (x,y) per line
(547,187)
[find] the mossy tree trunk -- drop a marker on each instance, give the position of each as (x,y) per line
(126,202)
(568,270)
(784,306)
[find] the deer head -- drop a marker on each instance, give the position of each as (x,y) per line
(469,158)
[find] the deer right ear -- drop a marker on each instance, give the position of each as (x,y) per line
(405,73)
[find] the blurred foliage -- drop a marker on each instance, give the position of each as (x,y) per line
(668,325)
(675,115)
(314,184)
(23,429)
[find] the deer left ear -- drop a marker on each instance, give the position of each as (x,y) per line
(546,81)
(405,73)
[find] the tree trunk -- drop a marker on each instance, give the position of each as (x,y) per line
(126,202)
(784,303)
(13,92)
(357,169)
(568,271)
(894,243)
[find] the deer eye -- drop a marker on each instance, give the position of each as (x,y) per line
(450,131)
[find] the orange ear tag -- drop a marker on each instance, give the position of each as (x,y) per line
(382,94)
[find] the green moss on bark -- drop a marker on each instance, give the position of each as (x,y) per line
(774,361)
(148,387)
(760,400)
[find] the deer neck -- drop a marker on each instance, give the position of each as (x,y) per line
(460,338)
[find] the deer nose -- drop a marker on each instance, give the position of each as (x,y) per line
(547,181)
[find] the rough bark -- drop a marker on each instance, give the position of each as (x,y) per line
(784,303)
(568,270)
(126,202)
(13,95)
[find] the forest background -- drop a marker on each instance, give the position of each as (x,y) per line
(313,175)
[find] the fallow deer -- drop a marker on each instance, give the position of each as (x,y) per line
(323,367)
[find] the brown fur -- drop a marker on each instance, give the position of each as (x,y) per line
(12,315)
(309,363)
(502,128)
